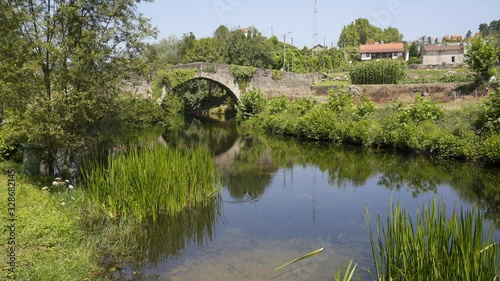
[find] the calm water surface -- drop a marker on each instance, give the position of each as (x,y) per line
(282,199)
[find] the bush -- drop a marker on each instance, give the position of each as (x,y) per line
(251,103)
(378,72)
(489,120)
(242,75)
(414,60)
(491,149)
(422,109)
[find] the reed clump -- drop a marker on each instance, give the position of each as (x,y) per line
(147,181)
(435,248)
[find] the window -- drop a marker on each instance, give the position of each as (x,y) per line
(453,59)
(395,54)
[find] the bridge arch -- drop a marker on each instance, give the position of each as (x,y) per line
(218,73)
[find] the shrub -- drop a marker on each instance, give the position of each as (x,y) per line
(277,74)
(489,119)
(422,109)
(378,72)
(491,149)
(278,105)
(242,75)
(340,101)
(251,103)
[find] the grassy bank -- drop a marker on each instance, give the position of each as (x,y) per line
(422,127)
(50,243)
(87,234)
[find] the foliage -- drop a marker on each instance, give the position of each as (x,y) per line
(489,118)
(422,109)
(251,103)
(378,72)
(340,101)
(171,79)
(12,136)
(242,75)
(49,229)
(491,149)
(481,56)
(277,74)
(143,182)
(361,31)
(414,60)
(69,58)
(436,247)
(250,49)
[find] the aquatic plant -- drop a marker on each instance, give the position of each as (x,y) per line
(146,181)
(436,248)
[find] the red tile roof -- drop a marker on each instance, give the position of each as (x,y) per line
(441,48)
(382,48)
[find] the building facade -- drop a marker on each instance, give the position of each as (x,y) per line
(442,54)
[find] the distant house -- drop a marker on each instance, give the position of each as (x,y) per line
(318,48)
(442,54)
(381,51)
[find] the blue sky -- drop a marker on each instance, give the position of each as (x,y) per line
(414,18)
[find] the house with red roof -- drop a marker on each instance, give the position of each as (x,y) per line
(443,54)
(382,51)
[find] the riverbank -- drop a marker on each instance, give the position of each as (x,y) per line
(49,241)
(468,132)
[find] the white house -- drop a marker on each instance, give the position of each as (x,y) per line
(381,51)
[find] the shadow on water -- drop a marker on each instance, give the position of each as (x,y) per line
(249,164)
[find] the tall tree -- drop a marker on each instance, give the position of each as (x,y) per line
(74,54)
(361,31)
(250,49)
(392,34)
(481,56)
(484,29)
(468,35)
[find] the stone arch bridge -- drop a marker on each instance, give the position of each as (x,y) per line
(289,84)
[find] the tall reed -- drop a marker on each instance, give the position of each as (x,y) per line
(436,248)
(147,181)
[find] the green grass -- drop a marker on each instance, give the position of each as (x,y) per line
(50,244)
(458,75)
(147,181)
(434,247)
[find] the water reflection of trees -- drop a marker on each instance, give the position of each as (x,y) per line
(171,233)
(476,184)
(254,159)
(251,171)
(217,136)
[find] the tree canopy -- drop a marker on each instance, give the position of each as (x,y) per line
(69,59)
(361,31)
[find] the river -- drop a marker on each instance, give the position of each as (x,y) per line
(284,198)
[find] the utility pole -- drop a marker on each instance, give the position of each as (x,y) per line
(284,50)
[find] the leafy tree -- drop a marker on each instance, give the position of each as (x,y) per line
(70,58)
(187,42)
(251,49)
(202,50)
(481,56)
(413,50)
(468,35)
(484,29)
(392,34)
(361,31)
(349,37)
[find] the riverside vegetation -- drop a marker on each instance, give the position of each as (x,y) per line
(470,133)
